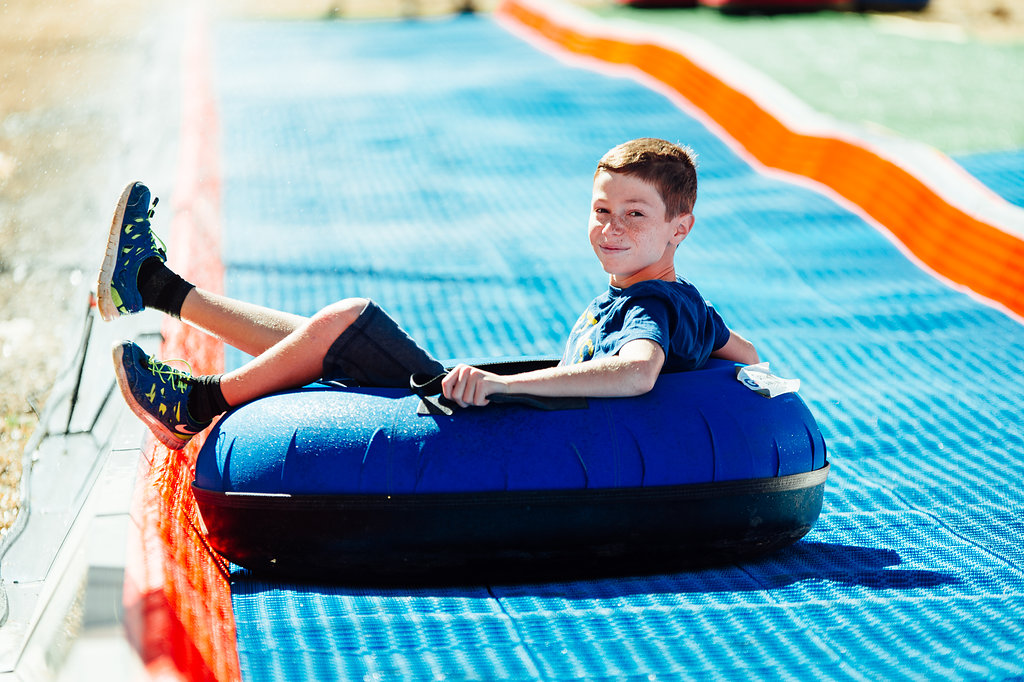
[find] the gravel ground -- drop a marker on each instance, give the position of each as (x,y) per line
(57,60)
(74,97)
(75,86)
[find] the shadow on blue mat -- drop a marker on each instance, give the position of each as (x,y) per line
(868,567)
(848,564)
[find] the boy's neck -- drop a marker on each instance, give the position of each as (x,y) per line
(655,271)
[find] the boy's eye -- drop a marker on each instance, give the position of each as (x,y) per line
(600,210)
(636,214)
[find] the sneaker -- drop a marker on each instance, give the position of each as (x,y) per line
(157,394)
(131,243)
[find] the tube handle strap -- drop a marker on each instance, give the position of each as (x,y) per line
(428,388)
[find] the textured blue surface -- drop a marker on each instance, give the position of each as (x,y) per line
(444,168)
(1002,172)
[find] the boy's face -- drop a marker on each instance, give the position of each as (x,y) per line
(630,233)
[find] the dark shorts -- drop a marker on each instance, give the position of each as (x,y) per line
(375,351)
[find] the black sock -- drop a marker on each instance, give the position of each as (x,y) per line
(161,288)
(206,400)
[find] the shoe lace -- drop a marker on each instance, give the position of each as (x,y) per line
(156,239)
(177,379)
(163,247)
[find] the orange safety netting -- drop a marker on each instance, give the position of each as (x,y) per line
(178,612)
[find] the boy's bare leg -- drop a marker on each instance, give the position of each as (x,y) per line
(289,349)
(133,276)
(177,405)
(248,327)
(296,359)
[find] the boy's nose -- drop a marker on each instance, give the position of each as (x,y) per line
(613,225)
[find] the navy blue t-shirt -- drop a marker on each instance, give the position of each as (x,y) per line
(672,314)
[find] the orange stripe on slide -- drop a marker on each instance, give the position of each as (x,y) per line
(178,612)
(952,243)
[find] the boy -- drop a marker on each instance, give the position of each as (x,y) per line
(646,322)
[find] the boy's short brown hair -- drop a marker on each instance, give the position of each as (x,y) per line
(670,168)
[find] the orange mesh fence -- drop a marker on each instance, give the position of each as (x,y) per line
(946,239)
(177,598)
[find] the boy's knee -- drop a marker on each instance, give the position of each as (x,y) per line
(340,315)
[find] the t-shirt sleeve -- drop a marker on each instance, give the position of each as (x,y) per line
(688,332)
(645,318)
(720,329)
(686,327)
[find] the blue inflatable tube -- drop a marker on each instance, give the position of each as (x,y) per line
(332,481)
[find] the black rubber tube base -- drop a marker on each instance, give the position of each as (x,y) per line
(534,536)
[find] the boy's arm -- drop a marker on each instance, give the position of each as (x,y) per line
(737,349)
(632,371)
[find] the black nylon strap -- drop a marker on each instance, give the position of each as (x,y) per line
(432,402)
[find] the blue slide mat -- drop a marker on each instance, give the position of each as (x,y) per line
(443,168)
(1002,172)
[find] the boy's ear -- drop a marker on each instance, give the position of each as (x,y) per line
(683,223)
